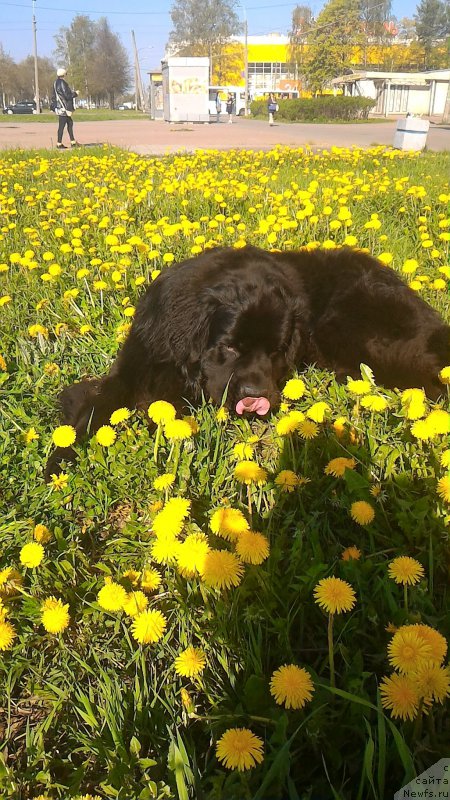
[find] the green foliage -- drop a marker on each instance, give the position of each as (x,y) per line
(336,31)
(317,109)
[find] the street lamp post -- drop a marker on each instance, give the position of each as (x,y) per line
(36,71)
(245,59)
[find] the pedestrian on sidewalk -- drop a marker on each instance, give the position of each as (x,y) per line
(218,107)
(272,108)
(230,107)
(62,103)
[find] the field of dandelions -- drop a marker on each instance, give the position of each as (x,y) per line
(216,607)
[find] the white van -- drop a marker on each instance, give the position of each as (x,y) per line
(238,93)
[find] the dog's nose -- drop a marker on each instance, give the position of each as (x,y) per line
(254,391)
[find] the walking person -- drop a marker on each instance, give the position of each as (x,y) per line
(218,107)
(230,107)
(272,107)
(62,104)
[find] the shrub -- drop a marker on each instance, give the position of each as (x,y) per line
(318,109)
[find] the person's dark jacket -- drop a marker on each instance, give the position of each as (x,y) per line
(64,93)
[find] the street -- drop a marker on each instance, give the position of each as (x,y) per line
(155,137)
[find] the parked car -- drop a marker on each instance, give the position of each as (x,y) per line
(22,107)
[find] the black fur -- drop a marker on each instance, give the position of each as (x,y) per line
(242,320)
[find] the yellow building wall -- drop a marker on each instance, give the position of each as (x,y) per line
(268,52)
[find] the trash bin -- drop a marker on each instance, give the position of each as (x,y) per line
(411,133)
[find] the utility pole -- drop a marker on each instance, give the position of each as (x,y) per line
(36,72)
(246,61)
(138,88)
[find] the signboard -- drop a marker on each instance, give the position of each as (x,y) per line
(185,89)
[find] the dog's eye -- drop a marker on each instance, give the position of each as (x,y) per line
(232,350)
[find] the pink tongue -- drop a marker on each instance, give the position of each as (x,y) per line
(260,405)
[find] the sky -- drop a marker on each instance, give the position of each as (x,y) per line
(150,20)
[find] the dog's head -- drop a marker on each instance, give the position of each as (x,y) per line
(254,341)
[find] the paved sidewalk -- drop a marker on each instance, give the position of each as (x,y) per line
(148,137)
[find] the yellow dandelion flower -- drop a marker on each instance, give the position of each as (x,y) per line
(170,520)
(222,414)
(148,626)
(243,451)
(31,554)
(54,615)
(164,549)
(248,472)
(239,748)
(106,436)
(42,534)
(30,435)
(222,569)
(337,466)
(362,512)
(375,403)
(161,412)
(177,429)
(228,523)
(406,570)
(339,426)
(162,482)
(10,581)
(59,481)
(443,488)
(444,375)
(252,547)
(287,480)
(190,663)
(191,554)
(436,642)
(445,459)
(7,634)
(318,411)
(294,389)
(135,602)
(421,430)
(119,415)
(407,650)
(64,436)
(351,553)
(2,364)
(334,595)
(432,682)
(150,579)
(307,429)
(133,576)
(112,596)
(439,421)
(399,694)
(289,423)
(359,387)
(291,686)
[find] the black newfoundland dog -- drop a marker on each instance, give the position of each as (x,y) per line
(234,323)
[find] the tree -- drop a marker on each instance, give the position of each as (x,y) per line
(374,18)
(97,60)
(24,78)
(111,74)
(75,48)
(432,25)
(8,76)
(203,28)
(333,42)
(302,19)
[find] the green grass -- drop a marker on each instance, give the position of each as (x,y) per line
(81,115)
(91,710)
